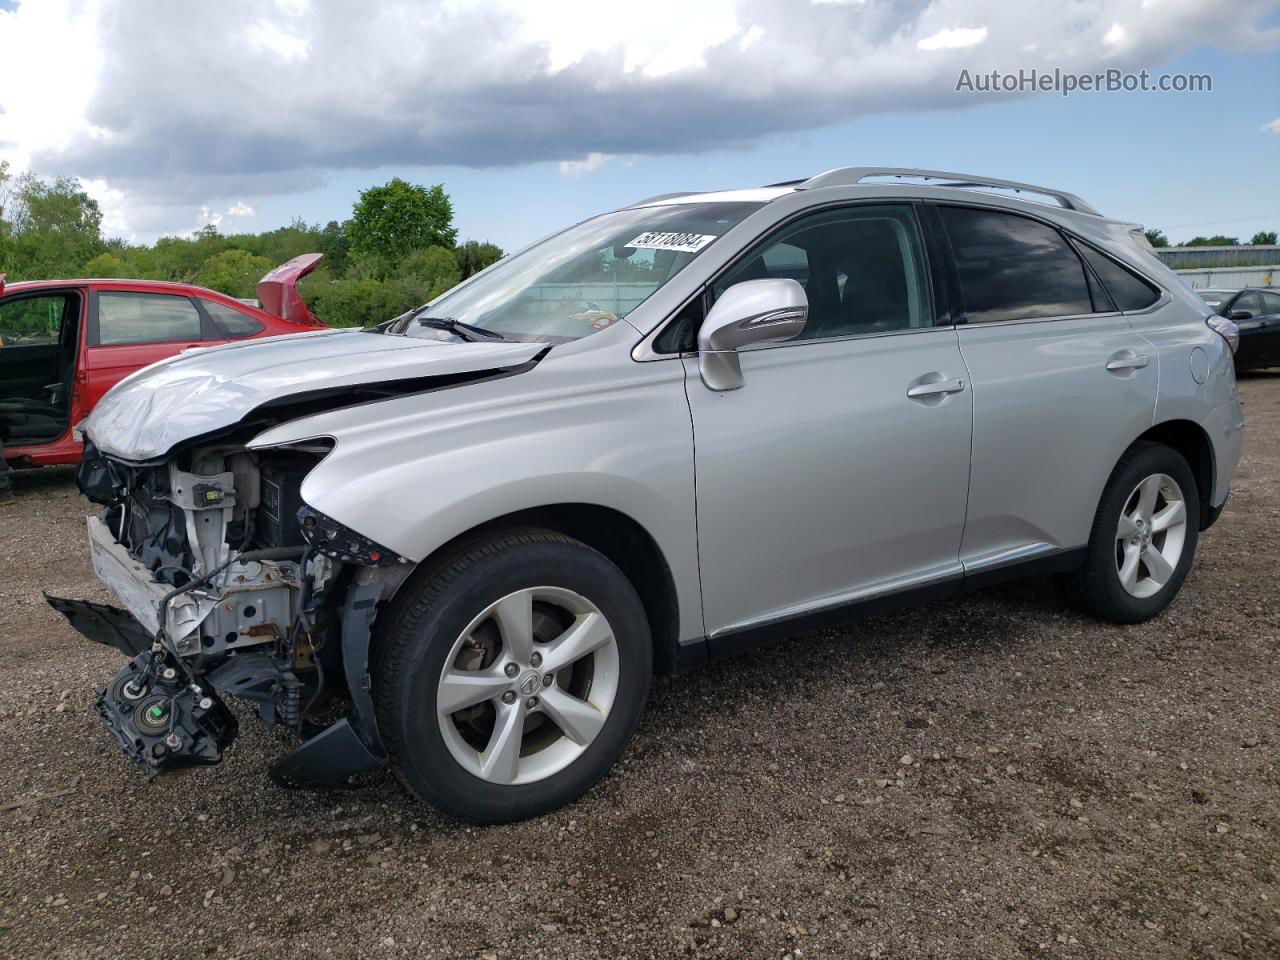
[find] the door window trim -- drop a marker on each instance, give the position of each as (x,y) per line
(940,302)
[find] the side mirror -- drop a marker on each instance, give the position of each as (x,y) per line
(1240,315)
(754,311)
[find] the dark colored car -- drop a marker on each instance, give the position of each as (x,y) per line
(1257,313)
(65,343)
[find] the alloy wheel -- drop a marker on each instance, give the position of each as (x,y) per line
(1150,535)
(528,685)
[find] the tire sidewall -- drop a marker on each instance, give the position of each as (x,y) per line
(423,759)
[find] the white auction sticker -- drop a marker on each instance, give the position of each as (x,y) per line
(680,242)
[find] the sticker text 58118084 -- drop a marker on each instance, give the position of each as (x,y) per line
(680,242)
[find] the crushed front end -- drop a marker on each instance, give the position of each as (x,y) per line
(231,586)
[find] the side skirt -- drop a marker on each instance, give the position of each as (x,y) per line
(697,653)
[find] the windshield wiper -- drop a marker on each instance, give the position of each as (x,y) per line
(460,329)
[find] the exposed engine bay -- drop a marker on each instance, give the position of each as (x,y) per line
(231,586)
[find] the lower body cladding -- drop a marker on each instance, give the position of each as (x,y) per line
(276,620)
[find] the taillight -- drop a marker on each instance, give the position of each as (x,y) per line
(1226,329)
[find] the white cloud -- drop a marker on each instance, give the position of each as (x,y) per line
(1273,126)
(240,209)
(170,106)
(590,163)
(954,38)
(1116,38)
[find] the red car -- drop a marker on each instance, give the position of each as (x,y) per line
(64,343)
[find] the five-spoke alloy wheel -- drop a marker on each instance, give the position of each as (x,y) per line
(1150,535)
(528,686)
(1144,537)
(510,675)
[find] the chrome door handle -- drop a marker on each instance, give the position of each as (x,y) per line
(935,388)
(1128,361)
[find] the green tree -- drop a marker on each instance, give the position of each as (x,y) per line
(1217,240)
(107,264)
(53,228)
(473,256)
(1156,237)
(1264,237)
(233,272)
(391,220)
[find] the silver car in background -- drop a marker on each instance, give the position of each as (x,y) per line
(655,439)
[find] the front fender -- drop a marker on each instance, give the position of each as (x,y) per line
(415,472)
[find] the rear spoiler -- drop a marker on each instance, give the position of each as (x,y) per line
(278,290)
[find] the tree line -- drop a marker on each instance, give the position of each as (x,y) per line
(1158,238)
(399,249)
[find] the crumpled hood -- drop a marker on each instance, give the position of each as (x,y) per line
(146,414)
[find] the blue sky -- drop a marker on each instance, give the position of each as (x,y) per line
(279,109)
(1190,163)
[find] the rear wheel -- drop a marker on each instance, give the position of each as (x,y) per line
(1144,537)
(512,676)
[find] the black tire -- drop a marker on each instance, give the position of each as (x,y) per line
(428,615)
(1096,586)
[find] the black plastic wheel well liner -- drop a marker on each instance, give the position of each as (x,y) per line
(1190,440)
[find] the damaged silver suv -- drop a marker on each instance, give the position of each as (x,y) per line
(459,543)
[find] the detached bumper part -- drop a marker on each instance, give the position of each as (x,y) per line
(104,624)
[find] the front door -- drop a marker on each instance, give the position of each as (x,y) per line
(839,471)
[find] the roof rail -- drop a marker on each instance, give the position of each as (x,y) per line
(659,196)
(852,175)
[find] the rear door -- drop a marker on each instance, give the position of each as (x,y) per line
(130,329)
(1061,383)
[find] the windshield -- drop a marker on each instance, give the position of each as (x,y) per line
(581,280)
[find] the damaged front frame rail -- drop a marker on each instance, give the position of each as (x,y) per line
(187,726)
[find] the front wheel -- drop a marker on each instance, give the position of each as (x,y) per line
(1144,537)
(512,675)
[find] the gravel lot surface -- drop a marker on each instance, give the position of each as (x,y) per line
(994,777)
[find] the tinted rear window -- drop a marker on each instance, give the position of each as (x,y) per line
(1014,268)
(1127,289)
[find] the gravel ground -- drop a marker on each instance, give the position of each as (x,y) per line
(994,777)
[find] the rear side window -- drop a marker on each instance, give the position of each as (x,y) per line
(126,318)
(1014,268)
(230,320)
(1127,289)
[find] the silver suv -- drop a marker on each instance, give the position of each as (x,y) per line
(459,543)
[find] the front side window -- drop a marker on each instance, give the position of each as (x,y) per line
(582,280)
(230,320)
(1014,268)
(128,318)
(1270,303)
(862,269)
(1246,301)
(33,320)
